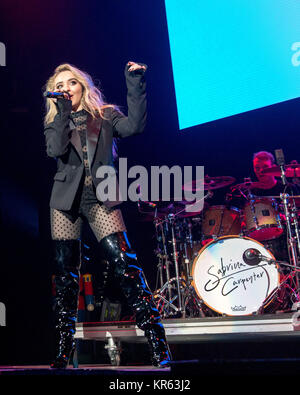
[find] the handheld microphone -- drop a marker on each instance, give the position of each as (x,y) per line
(54,95)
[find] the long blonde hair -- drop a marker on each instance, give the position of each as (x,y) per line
(92,99)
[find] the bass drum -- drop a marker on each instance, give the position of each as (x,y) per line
(226,283)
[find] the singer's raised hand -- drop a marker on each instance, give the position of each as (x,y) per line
(135,66)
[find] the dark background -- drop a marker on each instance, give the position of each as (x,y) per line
(98,37)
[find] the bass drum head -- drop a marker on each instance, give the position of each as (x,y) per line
(226,283)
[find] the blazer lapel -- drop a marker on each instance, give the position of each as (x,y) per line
(75,139)
(93,131)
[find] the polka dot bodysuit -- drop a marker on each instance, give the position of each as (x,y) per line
(66,225)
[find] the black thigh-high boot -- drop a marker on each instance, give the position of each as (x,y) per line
(67,265)
(130,276)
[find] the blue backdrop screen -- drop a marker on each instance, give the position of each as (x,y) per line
(232,56)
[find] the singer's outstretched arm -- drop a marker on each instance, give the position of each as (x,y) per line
(135,122)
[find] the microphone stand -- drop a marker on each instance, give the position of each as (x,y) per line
(285,199)
(281,263)
(283,282)
(171,218)
(295,223)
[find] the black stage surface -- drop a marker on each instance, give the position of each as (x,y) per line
(252,346)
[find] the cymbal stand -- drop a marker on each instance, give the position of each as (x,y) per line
(160,251)
(295,223)
(180,284)
(171,218)
(187,264)
(283,283)
(166,297)
(285,198)
(187,239)
(163,258)
(291,240)
(171,295)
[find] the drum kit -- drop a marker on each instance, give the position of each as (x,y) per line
(216,262)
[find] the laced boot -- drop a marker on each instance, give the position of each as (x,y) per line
(130,276)
(67,258)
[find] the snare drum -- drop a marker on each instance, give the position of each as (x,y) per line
(221,221)
(262,219)
(226,283)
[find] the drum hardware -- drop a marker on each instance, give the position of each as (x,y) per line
(253,257)
(291,170)
(291,220)
(294,217)
(163,258)
(263,220)
(171,218)
(186,262)
(161,210)
(262,217)
(169,295)
(178,289)
(209,183)
(283,296)
(291,240)
(178,294)
(193,306)
(244,188)
(173,232)
(168,306)
(165,302)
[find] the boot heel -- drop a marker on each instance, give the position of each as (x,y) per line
(74,356)
(62,360)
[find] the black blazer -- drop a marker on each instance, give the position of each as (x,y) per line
(63,141)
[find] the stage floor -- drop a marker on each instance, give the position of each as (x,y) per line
(186,371)
(198,329)
(264,345)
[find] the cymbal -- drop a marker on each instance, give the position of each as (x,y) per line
(208,183)
(162,209)
(246,185)
(291,170)
(185,214)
